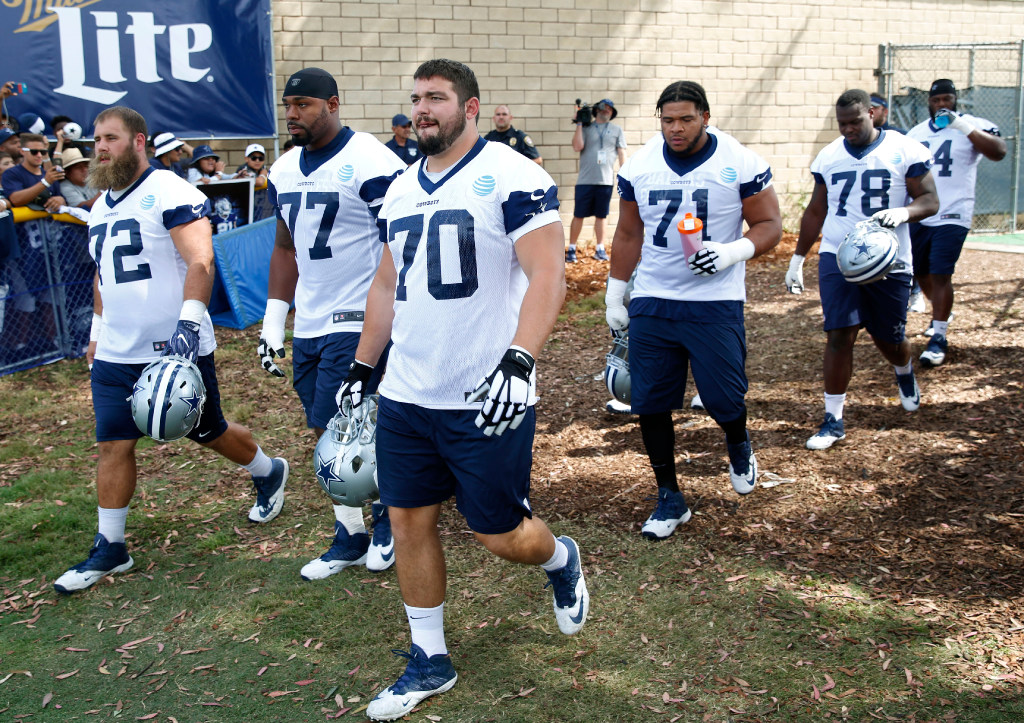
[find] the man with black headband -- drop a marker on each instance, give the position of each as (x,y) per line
(686,306)
(327,192)
(957,142)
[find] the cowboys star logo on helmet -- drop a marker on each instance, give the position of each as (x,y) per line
(168,399)
(345,459)
(616,370)
(867,253)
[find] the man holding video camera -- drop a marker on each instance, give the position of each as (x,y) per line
(600,143)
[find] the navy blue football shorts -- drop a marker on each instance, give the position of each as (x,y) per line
(881,307)
(424,456)
(319,366)
(112,386)
(936,248)
(660,350)
(592,200)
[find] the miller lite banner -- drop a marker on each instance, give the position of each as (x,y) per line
(195,68)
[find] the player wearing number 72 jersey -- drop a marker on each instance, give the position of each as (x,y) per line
(865,173)
(327,192)
(686,307)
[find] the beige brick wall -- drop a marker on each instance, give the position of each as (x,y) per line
(772,69)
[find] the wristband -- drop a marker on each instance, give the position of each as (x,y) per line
(94,330)
(46,184)
(616,291)
(193,310)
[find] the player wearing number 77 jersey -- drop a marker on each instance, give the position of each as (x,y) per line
(865,173)
(470,286)
(686,307)
(327,192)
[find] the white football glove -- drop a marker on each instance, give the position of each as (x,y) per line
(353,389)
(505,392)
(616,313)
(956,121)
(892,217)
(715,257)
(795,275)
(272,335)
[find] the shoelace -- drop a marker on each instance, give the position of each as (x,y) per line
(262,499)
(563,583)
(412,671)
(666,509)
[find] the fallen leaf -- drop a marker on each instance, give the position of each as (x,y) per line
(47,698)
(148,716)
(63,676)
(735,578)
(829,685)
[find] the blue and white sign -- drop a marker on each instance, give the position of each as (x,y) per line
(195,68)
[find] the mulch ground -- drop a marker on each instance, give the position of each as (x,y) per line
(923,509)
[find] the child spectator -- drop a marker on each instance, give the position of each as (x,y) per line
(206,166)
(5,161)
(254,166)
(73,187)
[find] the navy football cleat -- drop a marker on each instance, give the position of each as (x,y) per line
(381,554)
(423,677)
(670,512)
(831,432)
(104,558)
(346,550)
(572,601)
(269,492)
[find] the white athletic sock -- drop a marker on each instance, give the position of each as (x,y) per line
(427,627)
(906,368)
(261,464)
(940,327)
(112,522)
(351,518)
(559,560)
(572,247)
(834,404)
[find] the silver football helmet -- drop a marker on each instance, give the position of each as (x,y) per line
(168,399)
(868,252)
(345,459)
(616,370)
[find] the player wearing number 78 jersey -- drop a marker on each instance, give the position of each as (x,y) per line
(865,173)
(686,307)
(327,192)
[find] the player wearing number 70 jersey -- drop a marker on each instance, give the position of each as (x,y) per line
(865,173)
(327,192)
(686,307)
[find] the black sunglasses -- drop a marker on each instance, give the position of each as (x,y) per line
(256,158)
(33,151)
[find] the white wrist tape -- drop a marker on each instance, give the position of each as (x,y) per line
(193,310)
(94,330)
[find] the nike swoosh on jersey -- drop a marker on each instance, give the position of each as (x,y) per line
(535,197)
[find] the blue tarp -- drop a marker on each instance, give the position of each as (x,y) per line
(243,269)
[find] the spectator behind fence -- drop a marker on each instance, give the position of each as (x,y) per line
(26,184)
(74,188)
(207,166)
(404,147)
(5,161)
(167,153)
(255,165)
(10,144)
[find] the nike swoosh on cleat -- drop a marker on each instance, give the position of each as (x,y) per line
(578,618)
(388,555)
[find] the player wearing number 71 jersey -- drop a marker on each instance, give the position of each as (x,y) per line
(686,307)
(865,173)
(326,192)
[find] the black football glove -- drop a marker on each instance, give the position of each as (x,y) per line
(352,391)
(505,392)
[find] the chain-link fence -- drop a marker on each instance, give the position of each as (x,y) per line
(990,79)
(45,294)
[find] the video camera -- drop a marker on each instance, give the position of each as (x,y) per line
(584,113)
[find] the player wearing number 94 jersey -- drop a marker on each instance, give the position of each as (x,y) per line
(327,193)
(866,173)
(470,286)
(686,307)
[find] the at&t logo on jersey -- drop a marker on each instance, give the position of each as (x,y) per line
(728,174)
(346,173)
(484,185)
(897,158)
(147,202)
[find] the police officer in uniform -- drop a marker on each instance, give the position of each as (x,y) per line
(516,140)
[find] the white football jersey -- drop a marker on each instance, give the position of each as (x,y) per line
(955,168)
(142,275)
(329,198)
(711,185)
(862,181)
(460,285)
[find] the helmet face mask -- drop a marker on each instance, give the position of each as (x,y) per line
(868,252)
(345,459)
(616,370)
(167,400)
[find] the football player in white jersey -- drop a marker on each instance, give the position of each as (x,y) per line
(326,193)
(958,143)
(469,287)
(865,173)
(686,305)
(152,242)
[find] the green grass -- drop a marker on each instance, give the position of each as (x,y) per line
(214,624)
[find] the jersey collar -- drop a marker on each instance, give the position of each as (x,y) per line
(682,166)
(111,201)
(310,161)
(429,186)
(859,152)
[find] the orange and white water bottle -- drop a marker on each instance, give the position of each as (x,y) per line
(691,232)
